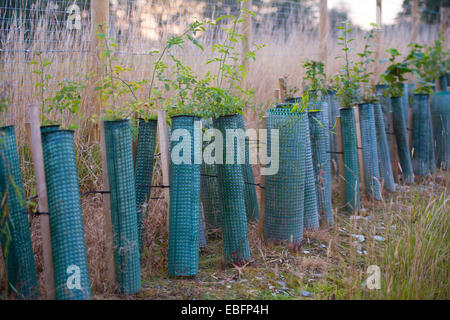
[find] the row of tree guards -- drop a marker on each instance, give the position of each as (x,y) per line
(372,144)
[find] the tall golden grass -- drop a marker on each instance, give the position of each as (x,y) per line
(416,250)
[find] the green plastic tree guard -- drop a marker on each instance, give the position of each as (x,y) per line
(441,127)
(185,208)
(311,211)
(251,200)
(333,112)
(322,163)
(232,189)
(209,190)
(350,155)
(66,221)
(421,135)
(405,102)
(369,150)
(119,155)
(386,108)
(211,199)
(384,158)
(401,137)
(16,246)
(284,191)
(145,153)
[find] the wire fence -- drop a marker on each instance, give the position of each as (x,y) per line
(61,30)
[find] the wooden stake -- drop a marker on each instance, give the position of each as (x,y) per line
(262,200)
(99,18)
(41,188)
(340,149)
(283,87)
(410,125)
(415,20)
(107,227)
(362,181)
(323,31)
(394,160)
(165,156)
(378,41)
(247,32)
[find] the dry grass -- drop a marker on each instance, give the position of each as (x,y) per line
(327,264)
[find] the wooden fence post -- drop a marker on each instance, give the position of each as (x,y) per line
(247,32)
(323,31)
(163,139)
(107,226)
(415,20)
(378,41)
(99,18)
(41,188)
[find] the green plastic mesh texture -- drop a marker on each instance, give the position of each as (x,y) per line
(209,190)
(401,136)
(232,189)
(369,150)
(16,246)
(185,208)
(386,108)
(384,158)
(119,155)
(251,200)
(145,152)
(322,163)
(350,155)
(66,221)
(333,112)
(211,199)
(284,191)
(421,135)
(441,128)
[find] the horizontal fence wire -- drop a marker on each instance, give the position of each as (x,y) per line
(140,26)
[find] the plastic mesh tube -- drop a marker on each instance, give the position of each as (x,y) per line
(322,163)
(124,216)
(421,135)
(384,158)
(66,222)
(145,152)
(16,246)
(350,155)
(385,102)
(284,191)
(232,189)
(251,200)
(401,136)
(185,208)
(441,128)
(369,150)
(209,190)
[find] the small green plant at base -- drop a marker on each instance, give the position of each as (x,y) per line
(347,80)
(395,73)
(228,96)
(113,87)
(315,78)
